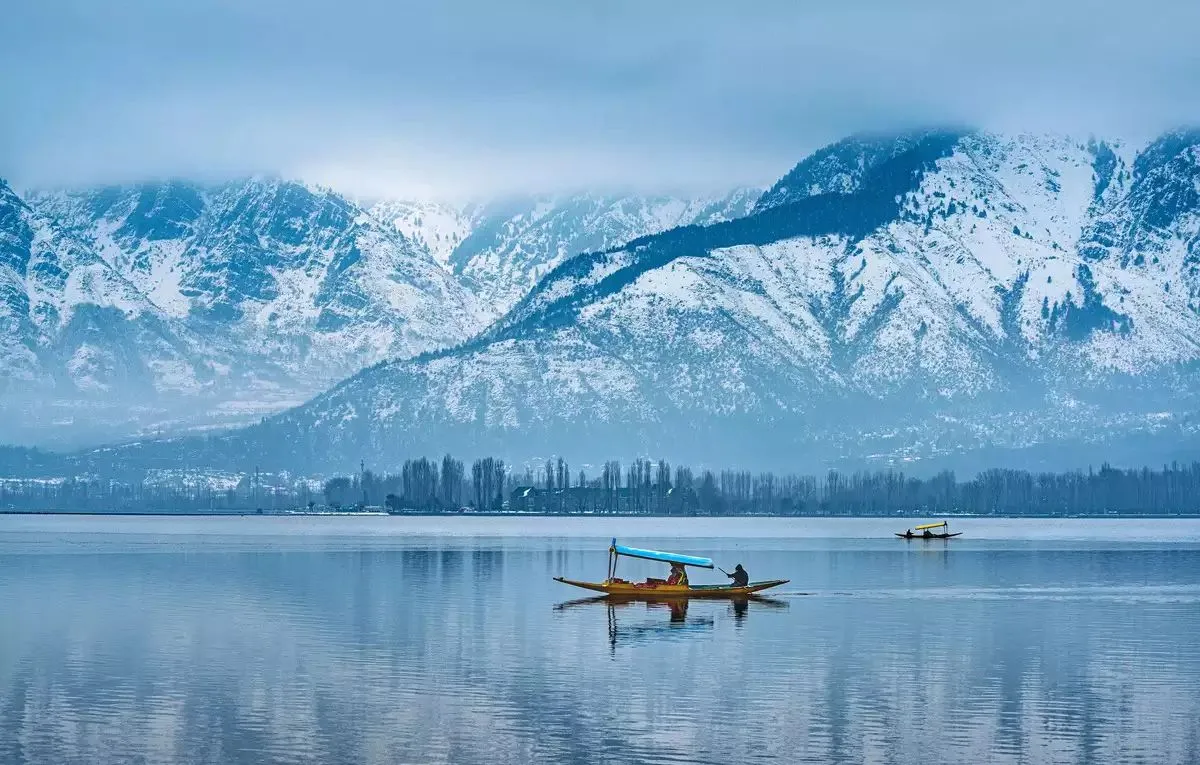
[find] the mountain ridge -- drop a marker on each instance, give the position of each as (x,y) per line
(278,288)
(501,249)
(951,291)
(949,306)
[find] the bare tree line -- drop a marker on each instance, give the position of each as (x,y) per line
(643,487)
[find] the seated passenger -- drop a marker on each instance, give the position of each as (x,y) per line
(678,575)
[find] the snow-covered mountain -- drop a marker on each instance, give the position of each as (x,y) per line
(71,321)
(167,305)
(253,295)
(288,275)
(501,249)
(939,291)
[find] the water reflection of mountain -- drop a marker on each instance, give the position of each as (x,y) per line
(451,654)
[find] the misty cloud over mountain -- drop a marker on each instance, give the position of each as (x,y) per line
(464,98)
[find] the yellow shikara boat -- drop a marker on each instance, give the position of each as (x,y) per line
(619,588)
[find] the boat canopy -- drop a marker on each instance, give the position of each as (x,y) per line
(665,557)
(937,525)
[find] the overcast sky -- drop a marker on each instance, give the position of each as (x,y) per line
(453,98)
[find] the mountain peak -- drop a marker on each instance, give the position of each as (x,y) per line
(840,167)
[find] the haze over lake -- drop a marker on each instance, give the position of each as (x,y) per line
(205,640)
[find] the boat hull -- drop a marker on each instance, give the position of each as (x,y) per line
(631,590)
(931,536)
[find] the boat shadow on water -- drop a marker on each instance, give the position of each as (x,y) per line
(678,623)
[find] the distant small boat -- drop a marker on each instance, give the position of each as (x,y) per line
(947,534)
(656,589)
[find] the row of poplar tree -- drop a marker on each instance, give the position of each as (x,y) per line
(644,486)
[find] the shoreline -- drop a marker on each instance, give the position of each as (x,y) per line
(351,514)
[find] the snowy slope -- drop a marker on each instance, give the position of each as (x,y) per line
(301,280)
(270,289)
(73,324)
(164,305)
(437,227)
(955,290)
(501,249)
(288,275)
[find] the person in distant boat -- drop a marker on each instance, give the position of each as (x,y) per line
(739,576)
(926,534)
(678,575)
(908,534)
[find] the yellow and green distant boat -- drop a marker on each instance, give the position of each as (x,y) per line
(658,588)
(927,531)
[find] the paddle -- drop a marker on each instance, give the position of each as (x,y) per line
(723,571)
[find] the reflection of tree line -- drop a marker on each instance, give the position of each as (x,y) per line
(384,578)
(644,487)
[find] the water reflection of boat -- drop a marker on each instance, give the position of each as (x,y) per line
(618,601)
(678,623)
(928,533)
(653,589)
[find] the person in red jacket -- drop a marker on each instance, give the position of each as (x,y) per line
(678,575)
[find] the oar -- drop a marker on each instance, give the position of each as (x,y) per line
(723,571)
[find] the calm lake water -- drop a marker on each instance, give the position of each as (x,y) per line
(402,640)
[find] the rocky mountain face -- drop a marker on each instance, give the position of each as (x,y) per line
(175,304)
(927,294)
(286,275)
(132,309)
(70,321)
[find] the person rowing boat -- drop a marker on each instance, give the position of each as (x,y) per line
(740,577)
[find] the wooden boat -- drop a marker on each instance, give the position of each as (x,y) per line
(623,589)
(933,535)
(657,589)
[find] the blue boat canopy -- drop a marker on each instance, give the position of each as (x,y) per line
(665,557)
